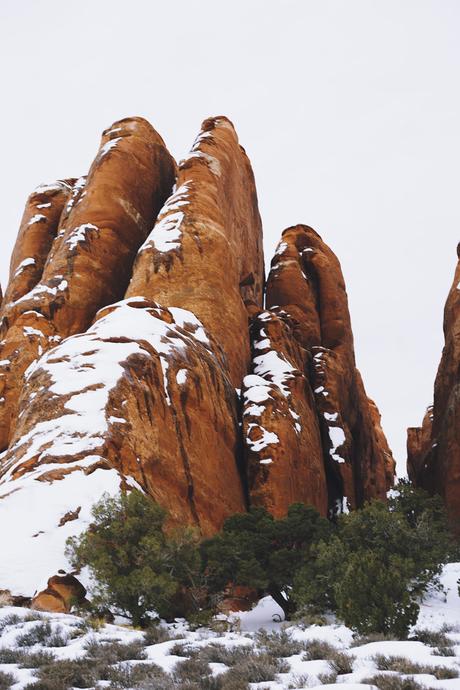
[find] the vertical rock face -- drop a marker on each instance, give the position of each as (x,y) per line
(163,370)
(36,234)
(434,449)
(88,265)
(280,423)
(307,285)
(205,253)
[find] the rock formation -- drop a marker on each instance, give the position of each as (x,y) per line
(434,448)
(88,264)
(165,370)
(306,287)
(205,253)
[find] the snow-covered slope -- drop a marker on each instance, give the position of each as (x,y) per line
(77,640)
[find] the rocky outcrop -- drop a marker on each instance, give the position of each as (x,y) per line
(39,227)
(280,423)
(205,253)
(306,286)
(155,406)
(63,591)
(88,264)
(164,370)
(434,449)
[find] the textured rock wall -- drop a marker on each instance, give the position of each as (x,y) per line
(205,253)
(434,449)
(88,263)
(163,370)
(306,284)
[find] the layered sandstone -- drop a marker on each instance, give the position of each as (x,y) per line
(164,370)
(434,449)
(88,263)
(205,253)
(280,424)
(38,229)
(306,284)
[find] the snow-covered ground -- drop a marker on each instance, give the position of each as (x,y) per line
(439,612)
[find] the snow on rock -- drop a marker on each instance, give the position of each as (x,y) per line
(242,629)
(33,547)
(83,417)
(166,233)
(280,425)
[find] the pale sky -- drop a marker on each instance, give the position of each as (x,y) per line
(349,111)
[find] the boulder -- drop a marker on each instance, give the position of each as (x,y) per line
(63,591)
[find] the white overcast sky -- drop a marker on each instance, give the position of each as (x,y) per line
(348,109)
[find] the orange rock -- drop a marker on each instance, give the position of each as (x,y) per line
(61,594)
(434,450)
(418,446)
(205,253)
(106,219)
(280,424)
(49,600)
(38,229)
(306,282)
(143,393)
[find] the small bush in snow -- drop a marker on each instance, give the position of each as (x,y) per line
(327,678)
(6,680)
(400,664)
(433,638)
(341,662)
(192,670)
(107,653)
(279,643)
(155,634)
(131,675)
(25,659)
(36,634)
(361,640)
(319,649)
(63,674)
(230,656)
(184,649)
(257,668)
(387,682)
(7,621)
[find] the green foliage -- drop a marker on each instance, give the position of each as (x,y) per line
(137,566)
(256,550)
(378,563)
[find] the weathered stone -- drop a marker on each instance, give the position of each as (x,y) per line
(205,253)
(306,282)
(142,393)
(105,220)
(38,229)
(62,592)
(434,450)
(280,425)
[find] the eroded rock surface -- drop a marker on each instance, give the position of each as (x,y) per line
(205,252)
(153,407)
(88,264)
(306,283)
(166,372)
(280,423)
(434,449)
